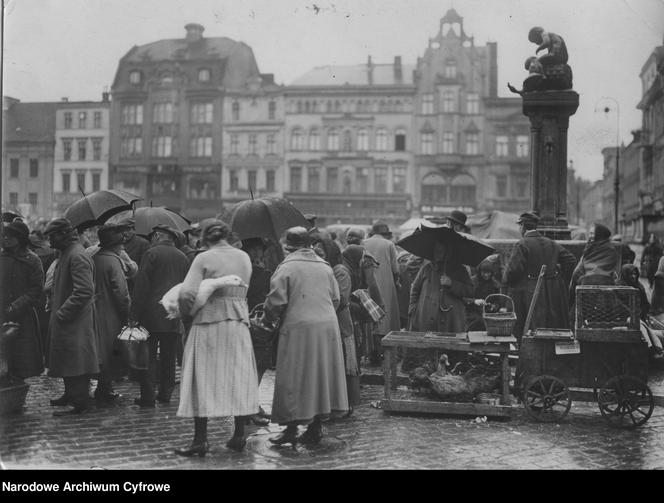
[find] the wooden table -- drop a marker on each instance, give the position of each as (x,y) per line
(467,342)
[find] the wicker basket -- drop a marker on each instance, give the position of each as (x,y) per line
(499,324)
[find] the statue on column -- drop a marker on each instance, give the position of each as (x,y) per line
(549,72)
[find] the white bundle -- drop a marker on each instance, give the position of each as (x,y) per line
(207,287)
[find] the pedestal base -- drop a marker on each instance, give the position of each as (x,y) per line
(556,233)
(12,398)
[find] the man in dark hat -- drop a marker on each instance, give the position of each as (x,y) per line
(134,245)
(73,353)
(163,266)
(457,220)
(528,256)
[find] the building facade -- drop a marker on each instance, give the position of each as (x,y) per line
(27,158)
(81,150)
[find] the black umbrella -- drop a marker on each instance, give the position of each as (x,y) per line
(265,217)
(148,217)
(96,208)
(9,216)
(467,249)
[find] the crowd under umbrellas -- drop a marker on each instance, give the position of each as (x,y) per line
(259,286)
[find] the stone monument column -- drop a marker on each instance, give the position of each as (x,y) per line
(549,113)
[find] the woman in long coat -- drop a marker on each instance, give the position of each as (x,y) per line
(218,366)
(21,281)
(112,308)
(310,380)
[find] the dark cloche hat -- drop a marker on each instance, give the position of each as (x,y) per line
(530,217)
(297,237)
(109,235)
(18,229)
(58,225)
(459,217)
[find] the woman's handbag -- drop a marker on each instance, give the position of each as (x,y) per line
(263,338)
(135,340)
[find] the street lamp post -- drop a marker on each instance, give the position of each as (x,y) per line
(616,178)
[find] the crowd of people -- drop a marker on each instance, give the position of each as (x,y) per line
(313,307)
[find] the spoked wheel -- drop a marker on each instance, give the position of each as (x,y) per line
(625,401)
(546,399)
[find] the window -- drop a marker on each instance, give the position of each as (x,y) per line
(427,103)
(450,70)
(348,142)
(162,146)
(13,168)
(162,113)
(271,144)
(200,146)
(253,144)
(202,188)
(82,120)
(400,140)
(472,103)
(13,199)
(399,180)
(32,198)
(380,180)
(501,186)
(448,143)
(314,140)
(82,148)
(313,179)
(472,143)
(68,120)
(381,139)
(235,143)
(502,146)
(426,143)
(462,190)
(362,180)
(34,168)
(363,140)
(347,183)
(96,182)
(201,113)
(332,183)
(297,140)
(448,102)
(132,114)
(333,140)
(251,179)
(521,186)
(66,149)
(204,75)
(235,111)
(130,147)
(66,182)
(296,179)
(97,120)
(272,110)
(434,189)
(270,185)
(134,77)
(234,181)
(96,149)
(165,185)
(522,146)
(80,181)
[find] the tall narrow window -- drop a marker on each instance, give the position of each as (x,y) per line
(522,146)
(399,180)
(363,140)
(253,144)
(82,120)
(426,146)
(272,110)
(13,199)
(381,139)
(348,142)
(97,120)
(32,198)
(521,183)
(96,182)
(297,139)
(96,149)
(34,168)
(66,182)
(313,179)
(271,146)
(235,144)
(362,180)
(427,103)
(82,148)
(270,185)
(450,69)
(448,143)
(332,183)
(400,140)
(296,179)
(80,181)
(449,104)
(333,140)
(68,120)
(380,180)
(13,168)
(502,146)
(501,186)
(314,140)
(234,181)
(235,111)
(251,179)
(472,143)
(472,103)
(66,149)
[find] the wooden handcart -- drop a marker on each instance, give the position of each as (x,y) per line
(604,352)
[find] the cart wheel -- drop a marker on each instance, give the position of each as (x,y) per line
(625,401)
(546,399)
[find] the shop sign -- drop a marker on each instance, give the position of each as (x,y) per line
(433,209)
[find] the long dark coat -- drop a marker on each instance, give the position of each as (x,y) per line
(73,347)
(21,282)
(520,276)
(112,305)
(163,266)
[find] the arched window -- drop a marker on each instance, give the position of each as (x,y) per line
(314,139)
(362,140)
(381,139)
(297,139)
(434,189)
(462,190)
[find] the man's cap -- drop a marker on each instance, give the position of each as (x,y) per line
(126,222)
(18,229)
(58,225)
(528,217)
(458,217)
(167,229)
(109,235)
(297,237)
(381,228)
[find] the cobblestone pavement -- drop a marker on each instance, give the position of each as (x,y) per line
(126,437)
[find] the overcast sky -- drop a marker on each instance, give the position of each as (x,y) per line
(57,48)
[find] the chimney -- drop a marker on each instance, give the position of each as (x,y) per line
(370,68)
(398,71)
(268,78)
(194,32)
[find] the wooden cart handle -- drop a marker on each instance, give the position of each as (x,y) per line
(533,302)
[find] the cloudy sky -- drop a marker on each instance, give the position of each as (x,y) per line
(57,48)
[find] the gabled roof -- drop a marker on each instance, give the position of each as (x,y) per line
(355,75)
(30,122)
(180,49)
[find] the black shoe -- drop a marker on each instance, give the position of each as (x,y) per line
(349,413)
(163,400)
(312,436)
(72,412)
(258,420)
(60,402)
(236,443)
(144,404)
(263,414)
(194,449)
(288,436)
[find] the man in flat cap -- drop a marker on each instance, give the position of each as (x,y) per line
(73,349)
(163,266)
(528,256)
(134,245)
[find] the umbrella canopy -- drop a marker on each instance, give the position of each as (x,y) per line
(470,250)
(147,217)
(266,217)
(96,208)
(9,216)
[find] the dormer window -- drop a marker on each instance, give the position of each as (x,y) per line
(450,69)
(134,77)
(204,75)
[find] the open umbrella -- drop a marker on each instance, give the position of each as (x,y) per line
(9,216)
(265,217)
(147,217)
(468,249)
(96,208)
